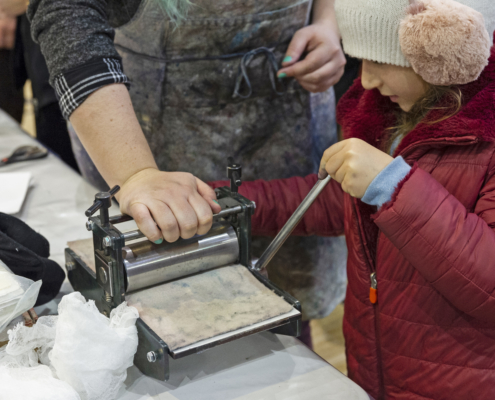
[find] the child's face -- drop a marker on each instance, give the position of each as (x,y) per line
(401,84)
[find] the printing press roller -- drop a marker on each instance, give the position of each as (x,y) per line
(147,264)
(126,263)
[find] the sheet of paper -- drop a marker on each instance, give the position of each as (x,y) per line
(13,189)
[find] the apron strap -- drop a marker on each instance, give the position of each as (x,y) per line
(242,75)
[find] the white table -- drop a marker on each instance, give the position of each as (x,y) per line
(261,366)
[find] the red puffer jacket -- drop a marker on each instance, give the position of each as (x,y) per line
(431,334)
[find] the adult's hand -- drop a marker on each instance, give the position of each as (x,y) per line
(168,205)
(13,8)
(164,204)
(324,63)
(354,164)
(7,31)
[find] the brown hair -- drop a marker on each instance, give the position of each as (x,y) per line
(446,98)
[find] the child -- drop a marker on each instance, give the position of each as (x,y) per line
(414,192)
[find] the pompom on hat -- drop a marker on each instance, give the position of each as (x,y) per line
(446,42)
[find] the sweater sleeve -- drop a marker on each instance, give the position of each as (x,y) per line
(382,188)
(453,249)
(276,201)
(76,40)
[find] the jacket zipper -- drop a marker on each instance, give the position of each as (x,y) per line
(372,263)
(373,285)
(373,288)
(373,294)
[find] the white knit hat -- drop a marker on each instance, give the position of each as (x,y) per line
(370,28)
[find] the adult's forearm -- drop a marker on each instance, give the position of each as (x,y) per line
(109,130)
(324,11)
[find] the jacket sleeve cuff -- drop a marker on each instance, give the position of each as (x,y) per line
(382,188)
(74,86)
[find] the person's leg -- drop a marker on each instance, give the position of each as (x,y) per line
(306,334)
(11,99)
(51,130)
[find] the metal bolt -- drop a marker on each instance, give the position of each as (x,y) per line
(70,266)
(107,241)
(89,225)
(108,297)
(151,356)
(103,275)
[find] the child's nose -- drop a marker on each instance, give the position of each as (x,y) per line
(369,79)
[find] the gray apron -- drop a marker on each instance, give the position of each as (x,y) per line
(206,90)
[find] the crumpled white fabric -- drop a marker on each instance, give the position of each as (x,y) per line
(91,352)
(31,346)
(17,295)
(33,383)
(88,353)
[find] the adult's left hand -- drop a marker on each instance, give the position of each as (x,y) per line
(324,63)
(354,164)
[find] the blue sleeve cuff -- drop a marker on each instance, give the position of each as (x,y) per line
(383,186)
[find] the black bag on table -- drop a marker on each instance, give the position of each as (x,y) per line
(26,253)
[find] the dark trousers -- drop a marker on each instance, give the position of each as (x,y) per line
(51,130)
(11,98)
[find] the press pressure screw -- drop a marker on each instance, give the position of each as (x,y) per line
(103,275)
(107,241)
(151,356)
(89,225)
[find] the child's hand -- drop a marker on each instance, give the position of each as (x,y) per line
(354,164)
(324,63)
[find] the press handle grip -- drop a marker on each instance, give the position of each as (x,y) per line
(234,173)
(102,199)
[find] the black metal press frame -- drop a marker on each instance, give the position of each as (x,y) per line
(107,287)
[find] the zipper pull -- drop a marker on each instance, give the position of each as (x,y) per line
(373,295)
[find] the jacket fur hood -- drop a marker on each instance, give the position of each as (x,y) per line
(365,114)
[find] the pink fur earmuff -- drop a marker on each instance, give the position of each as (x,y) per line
(446,42)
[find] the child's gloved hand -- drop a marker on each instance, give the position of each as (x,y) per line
(354,164)
(324,63)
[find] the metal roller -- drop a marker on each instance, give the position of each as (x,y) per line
(148,264)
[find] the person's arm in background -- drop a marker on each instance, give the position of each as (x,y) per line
(8,25)
(13,8)
(9,10)
(76,40)
(315,57)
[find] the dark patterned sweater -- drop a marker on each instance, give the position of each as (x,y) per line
(76,38)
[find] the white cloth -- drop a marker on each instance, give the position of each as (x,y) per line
(88,353)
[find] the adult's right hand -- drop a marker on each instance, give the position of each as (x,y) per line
(168,205)
(7,31)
